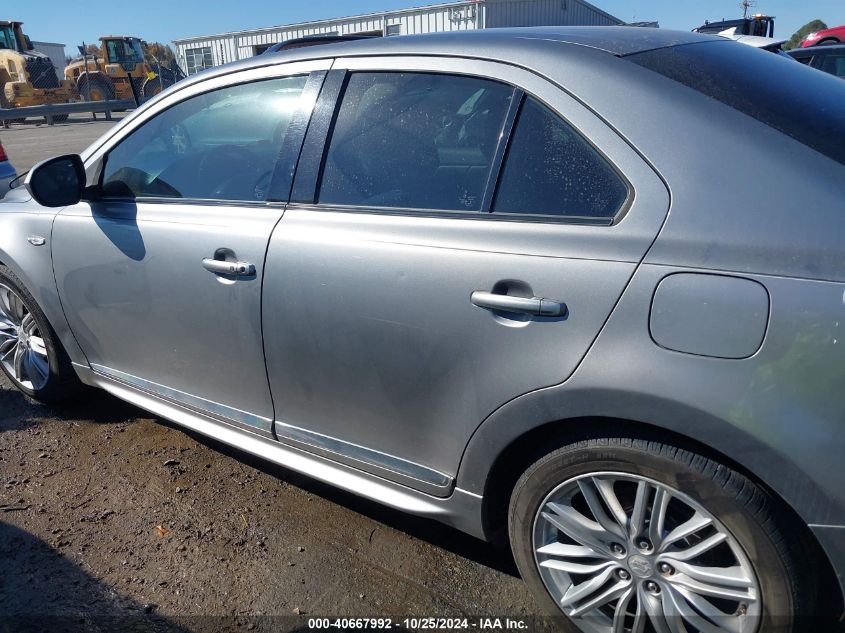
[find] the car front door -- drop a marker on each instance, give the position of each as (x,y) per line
(406,296)
(160,273)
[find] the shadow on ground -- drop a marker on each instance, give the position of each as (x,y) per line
(17,412)
(42,590)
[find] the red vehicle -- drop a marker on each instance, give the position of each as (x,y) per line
(836,35)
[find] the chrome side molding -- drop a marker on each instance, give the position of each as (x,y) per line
(461,509)
(390,467)
(254,423)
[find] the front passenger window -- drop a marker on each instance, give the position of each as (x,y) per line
(219,145)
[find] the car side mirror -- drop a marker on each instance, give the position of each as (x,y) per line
(57,182)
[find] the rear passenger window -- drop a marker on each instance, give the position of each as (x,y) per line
(414,140)
(551,170)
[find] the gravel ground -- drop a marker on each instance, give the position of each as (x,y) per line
(31,142)
(108,512)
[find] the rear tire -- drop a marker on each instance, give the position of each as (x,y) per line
(608,475)
(31,355)
(828,42)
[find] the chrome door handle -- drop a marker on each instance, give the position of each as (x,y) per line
(535,306)
(221,267)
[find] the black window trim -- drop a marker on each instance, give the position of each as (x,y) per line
(309,171)
(287,158)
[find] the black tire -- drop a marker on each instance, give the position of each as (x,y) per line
(786,586)
(95,89)
(62,382)
(828,42)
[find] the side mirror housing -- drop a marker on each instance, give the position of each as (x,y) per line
(57,182)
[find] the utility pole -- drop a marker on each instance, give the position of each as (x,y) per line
(746,5)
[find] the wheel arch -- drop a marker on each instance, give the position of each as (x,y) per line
(35,273)
(533,443)
(92,75)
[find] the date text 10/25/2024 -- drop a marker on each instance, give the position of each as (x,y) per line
(416,624)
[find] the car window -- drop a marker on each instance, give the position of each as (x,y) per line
(551,169)
(414,140)
(220,145)
(834,64)
(806,105)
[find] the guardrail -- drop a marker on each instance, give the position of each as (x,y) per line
(60,111)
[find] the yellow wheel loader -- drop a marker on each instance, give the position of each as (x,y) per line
(107,76)
(27,77)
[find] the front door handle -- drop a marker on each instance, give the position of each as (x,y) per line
(221,267)
(535,306)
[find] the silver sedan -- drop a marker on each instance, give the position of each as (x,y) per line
(579,291)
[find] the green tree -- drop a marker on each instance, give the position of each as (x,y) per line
(804,31)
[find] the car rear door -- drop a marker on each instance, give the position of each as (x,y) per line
(160,275)
(399,310)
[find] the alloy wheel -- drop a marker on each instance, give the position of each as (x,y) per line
(621,553)
(23,352)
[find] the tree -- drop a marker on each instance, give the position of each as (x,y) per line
(161,52)
(804,31)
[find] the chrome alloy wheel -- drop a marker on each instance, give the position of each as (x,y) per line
(621,553)
(22,350)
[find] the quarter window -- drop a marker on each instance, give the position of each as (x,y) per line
(220,145)
(414,140)
(550,169)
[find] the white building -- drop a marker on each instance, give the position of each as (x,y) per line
(197,53)
(56,53)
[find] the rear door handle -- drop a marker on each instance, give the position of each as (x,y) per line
(221,267)
(536,306)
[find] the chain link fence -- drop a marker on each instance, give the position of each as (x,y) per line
(121,71)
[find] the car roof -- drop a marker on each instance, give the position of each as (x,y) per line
(487,43)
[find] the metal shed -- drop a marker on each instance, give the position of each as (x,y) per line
(56,53)
(197,53)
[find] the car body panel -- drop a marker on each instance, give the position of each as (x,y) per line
(745,410)
(370,336)
(143,307)
(141,304)
(824,36)
(22,218)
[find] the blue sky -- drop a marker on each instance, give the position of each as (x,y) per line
(70,22)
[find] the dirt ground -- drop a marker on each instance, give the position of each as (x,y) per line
(107,512)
